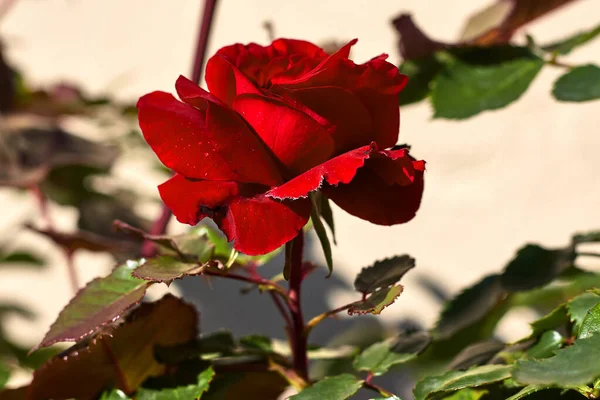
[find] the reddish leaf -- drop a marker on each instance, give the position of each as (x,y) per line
(123,359)
(493,25)
(100,302)
(377,301)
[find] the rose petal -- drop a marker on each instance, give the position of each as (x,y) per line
(225,80)
(194,95)
(342,109)
(213,143)
(370,196)
(259,225)
(191,201)
(296,139)
(293,46)
(385,114)
(340,169)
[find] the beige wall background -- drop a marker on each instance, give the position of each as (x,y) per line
(521,174)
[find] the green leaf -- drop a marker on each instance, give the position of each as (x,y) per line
(219,342)
(421,73)
(193,391)
(100,302)
(377,301)
(115,394)
(383,274)
(338,387)
(463,90)
(321,232)
(387,398)
(4,374)
(578,309)
(566,45)
(527,390)
(21,257)
(555,319)
(166,269)
(591,322)
(258,342)
(327,215)
(467,394)
(579,84)
(455,380)
(470,306)
(547,345)
(575,365)
(380,357)
(535,266)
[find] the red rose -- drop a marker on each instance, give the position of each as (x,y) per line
(279,122)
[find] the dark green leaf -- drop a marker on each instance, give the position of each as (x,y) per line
(470,306)
(187,392)
(463,90)
(527,390)
(591,323)
(575,365)
(476,354)
(421,73)
(166,269)
(102,301)
(220,342)
(380,357)
(377,301)
(547,345)
(321,232)
(115,394)
(383,273)
(21,257)
(331,388)
(554,320)
(455,380)
(566,45)
(535,266)
(578,309)
(579,84)
(258,342)
(327,215)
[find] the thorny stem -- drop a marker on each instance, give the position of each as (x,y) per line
(68,253)
(159,226)
(298,337)
(317,320)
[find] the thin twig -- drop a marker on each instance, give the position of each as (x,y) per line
(282,311)
(257,281)
(316,320)
(378,389)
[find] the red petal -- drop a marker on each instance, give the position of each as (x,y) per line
(352,123)
(191,201)
(340,169)
(384,192)
(193,94)
(211,143)
(260,224)
(225,80)
(385,114)
(293,46)
(296,139)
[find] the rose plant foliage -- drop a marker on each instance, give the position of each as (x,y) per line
(278,123)
(282,130)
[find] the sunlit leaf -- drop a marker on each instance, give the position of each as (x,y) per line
(591,323)
(192,391)
(556,319)
(455,380)
(574,365)
(383,274)
(122,359)
(100,302)
(166,269)
(578,309)
(380,357)
(376,301)
(547,345)
(338,387)
(579,84)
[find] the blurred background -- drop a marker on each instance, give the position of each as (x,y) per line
(526,173)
